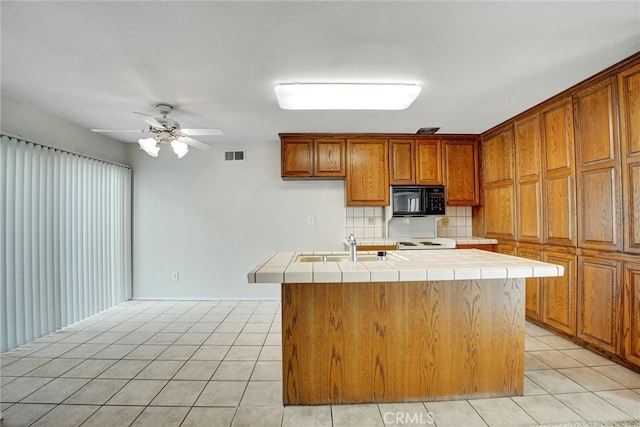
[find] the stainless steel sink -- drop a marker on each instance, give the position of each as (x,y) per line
(334,258)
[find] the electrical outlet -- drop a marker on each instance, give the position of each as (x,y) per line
(311,220)
(371,220)
(444,221)
(175,276)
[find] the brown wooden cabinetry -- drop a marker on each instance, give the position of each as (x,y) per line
(533,291)
(528,179)
(559,294)
(631,309)
(600,302)
(629,108)
(402,162)
(598,172)
(308,157)
(462,175)
(367,180)
(558,173)
(499,197)
(415,161)
(296,157)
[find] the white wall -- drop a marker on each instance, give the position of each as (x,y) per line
(212,221)
(33,124)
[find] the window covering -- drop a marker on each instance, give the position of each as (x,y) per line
(65,239)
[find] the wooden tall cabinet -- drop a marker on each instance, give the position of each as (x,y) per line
(598,171)
(499,197)
(462,177)
(534,286)
(559,294)
(631,320)
(367,180)
(528,179)
(558,174)
(600,302)
(629,108)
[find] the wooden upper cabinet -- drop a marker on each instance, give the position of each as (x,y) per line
(528,179)
(597,167)
(330,157)
(629,109)
(415,161)
(462,175)
(367,181)
(308,157)
(296,157)
(558,174)
(402,161)
(428,162)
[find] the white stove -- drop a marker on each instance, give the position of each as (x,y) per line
(425,243)
(405,230)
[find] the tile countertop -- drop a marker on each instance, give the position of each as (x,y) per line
(467,240)
(463,264)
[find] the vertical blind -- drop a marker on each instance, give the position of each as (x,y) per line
(65,239)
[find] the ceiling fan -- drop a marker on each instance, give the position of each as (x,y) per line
(165,130)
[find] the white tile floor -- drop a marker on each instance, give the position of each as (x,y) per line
(217,363)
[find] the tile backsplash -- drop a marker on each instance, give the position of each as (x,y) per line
(364,222)
(369,222)
(459,222)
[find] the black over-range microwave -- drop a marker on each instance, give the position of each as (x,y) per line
(418,200)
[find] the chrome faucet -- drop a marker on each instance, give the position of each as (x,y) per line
(353,248)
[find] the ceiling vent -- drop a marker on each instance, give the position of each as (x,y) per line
(234,156)
(427,131)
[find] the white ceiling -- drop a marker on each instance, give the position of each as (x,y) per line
(479,63)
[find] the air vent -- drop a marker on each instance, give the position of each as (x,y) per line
(427,131)
(234,156)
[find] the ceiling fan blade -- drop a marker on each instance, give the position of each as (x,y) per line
(150,120)
(120,130)
(194,143)
(196,132)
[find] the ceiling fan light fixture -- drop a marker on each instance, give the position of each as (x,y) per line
(150,146)
(345,96)
(180,148)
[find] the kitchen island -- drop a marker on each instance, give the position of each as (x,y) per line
(420,325)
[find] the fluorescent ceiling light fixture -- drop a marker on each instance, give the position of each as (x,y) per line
(345,96)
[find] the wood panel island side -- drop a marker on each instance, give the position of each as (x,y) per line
(421,325)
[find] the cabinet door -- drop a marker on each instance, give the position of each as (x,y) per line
(533,295)
(631,322)
(402,161)
(599,302)
(330,155)
(296,159)
(558,174)
(598,171)
(428,162)
(558,294)
(462,177)
(528,179)
(629,108)
(499,194)
(367,181)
